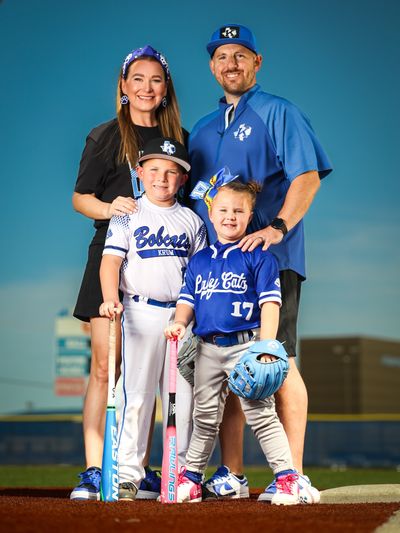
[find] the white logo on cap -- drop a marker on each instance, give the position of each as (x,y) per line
(229,33)
(168,148)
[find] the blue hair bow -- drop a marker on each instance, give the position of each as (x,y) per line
(207,190)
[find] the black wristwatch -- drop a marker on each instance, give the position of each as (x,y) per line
(279,223)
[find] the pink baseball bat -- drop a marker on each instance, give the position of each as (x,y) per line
(169,471)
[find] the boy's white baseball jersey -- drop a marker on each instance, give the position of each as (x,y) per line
(156,244)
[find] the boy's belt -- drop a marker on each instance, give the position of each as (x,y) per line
(151,301)
(231,339)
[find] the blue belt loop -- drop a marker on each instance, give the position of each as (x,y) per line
(151,301)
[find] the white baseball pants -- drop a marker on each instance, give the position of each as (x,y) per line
(145,367)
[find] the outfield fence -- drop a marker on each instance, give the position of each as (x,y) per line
(331,440)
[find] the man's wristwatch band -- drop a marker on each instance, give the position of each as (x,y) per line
(279,223)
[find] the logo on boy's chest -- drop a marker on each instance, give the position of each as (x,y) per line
(160,243)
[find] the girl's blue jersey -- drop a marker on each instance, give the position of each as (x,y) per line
(226,288)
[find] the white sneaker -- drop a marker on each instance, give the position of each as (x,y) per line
(307,493)
(224,484)
(187,490)
(287,490)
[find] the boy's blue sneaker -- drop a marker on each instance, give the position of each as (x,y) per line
(89,486)
(224,484)
(150,487)
(307,493)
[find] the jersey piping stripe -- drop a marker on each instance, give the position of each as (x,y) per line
(265,293)
(228,250)
(109,247)
(270,299)
(186,295)
(185,301)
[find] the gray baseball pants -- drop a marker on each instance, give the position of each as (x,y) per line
(213,365)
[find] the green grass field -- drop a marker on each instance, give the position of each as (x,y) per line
(323,478)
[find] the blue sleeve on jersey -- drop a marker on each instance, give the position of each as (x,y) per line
(296,144)
(186,295)
(266,277)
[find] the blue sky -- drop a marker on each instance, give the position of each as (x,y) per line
(338,60)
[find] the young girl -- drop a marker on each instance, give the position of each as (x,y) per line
(235,297)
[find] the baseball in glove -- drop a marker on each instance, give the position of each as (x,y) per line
(254,379)
(186,358)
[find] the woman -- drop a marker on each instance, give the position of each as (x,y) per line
(107,184)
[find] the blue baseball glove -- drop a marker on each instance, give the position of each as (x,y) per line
(255,380)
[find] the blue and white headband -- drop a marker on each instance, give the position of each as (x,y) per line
(147,51)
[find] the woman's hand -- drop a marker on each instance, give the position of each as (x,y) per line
(122,206)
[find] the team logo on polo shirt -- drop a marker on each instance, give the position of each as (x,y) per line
(242,132)
(229,32)
(168,148)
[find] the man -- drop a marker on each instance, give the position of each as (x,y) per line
(263,137)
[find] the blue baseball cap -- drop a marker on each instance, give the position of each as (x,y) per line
(232,34)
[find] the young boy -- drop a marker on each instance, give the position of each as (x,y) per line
(145,255)
(235,297)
